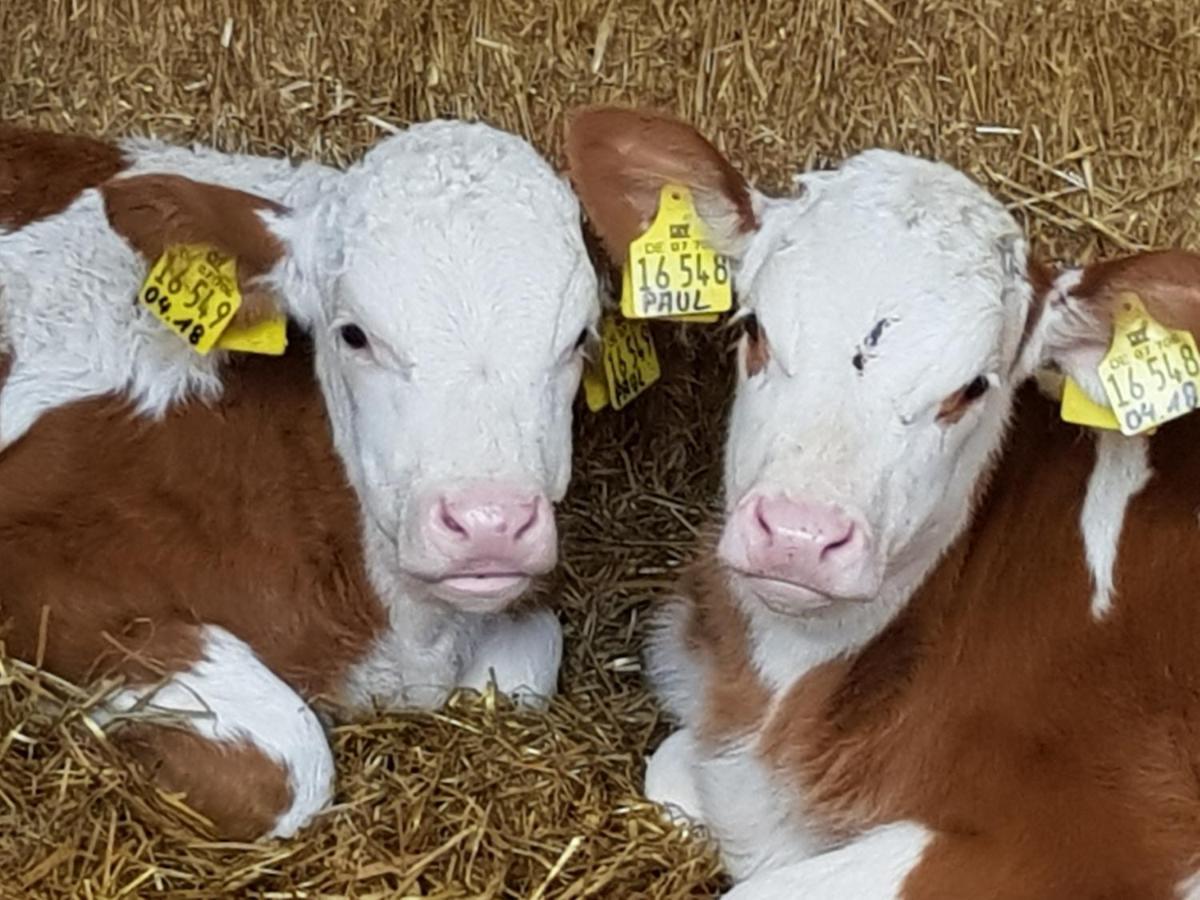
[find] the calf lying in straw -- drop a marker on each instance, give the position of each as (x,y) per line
(928,656)
(238,536)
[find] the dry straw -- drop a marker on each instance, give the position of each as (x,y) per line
(1080,114)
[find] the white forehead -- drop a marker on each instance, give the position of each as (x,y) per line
(889,237)
(467,216)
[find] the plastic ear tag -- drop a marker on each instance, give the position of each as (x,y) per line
(193,290)
(1151,373)
(627,303)
(595,385)
(1080,409)
(628,364)
(268,338)
(671,271)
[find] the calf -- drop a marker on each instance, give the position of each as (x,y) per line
(239,536)
(927,655)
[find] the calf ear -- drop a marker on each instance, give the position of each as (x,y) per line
(619,160)
(153,212)
(1074,310)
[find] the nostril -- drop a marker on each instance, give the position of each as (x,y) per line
(450,523)
(530,522)
(760,519)
(834,546)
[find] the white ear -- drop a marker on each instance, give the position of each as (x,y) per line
(313,259)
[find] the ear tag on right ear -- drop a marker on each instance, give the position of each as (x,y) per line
(627,367)
(1151,373)
(193,290)
(267,338)
(671,271)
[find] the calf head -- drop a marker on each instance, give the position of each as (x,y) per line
(448,292)
(888,315)
(882,309)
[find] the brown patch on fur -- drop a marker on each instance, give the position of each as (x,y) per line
(234,785)
(619,159)
(42,173)
(1052,755)
(717,634)
(238,514)
(153,212)
(1041,277)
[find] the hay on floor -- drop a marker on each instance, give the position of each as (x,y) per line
(1082,114)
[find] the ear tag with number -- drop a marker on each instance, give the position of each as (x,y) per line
(1151,373)
(193,290)
(627,367)
(671,271)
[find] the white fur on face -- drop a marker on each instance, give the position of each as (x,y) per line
(458,253)
(883,289)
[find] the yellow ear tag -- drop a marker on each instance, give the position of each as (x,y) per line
(1151,373)
(268,338)
(671,271)
(628,364)
(1079,409)
(193,290)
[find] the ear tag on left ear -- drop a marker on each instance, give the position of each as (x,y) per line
(1080,409)
(671,271)
(193,290)
(627,367)
(1151,373)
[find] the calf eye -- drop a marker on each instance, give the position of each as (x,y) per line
(954,406)
(757,351)
(353,336)
(583,338)
(976,389)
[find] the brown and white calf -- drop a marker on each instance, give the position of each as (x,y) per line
(930,653)
(239,536)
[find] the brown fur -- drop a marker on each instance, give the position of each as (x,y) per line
(42,173)
(237,515)
(619,160)
(235,786)
(153,212)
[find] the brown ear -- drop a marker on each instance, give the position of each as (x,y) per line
(1075,310)
(153,212)
(1166,281)
(619,160)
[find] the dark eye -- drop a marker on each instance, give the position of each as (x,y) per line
(750,327)
(583,338)
(354,336)
(757,351)
(976,389)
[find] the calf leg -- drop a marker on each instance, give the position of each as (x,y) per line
(521,655)
(671,777)
(245,750)
(874,866)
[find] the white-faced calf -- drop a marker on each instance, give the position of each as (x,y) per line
(928,655)
(240,535)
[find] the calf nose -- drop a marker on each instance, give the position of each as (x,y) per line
(493,525)
(812,544)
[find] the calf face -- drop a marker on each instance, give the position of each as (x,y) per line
(883,309)
(448,292)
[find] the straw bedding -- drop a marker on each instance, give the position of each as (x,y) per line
(1081,113)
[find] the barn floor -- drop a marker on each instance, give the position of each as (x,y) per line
(1081,113)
